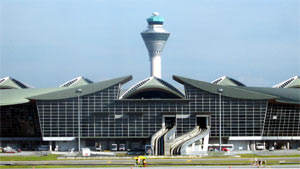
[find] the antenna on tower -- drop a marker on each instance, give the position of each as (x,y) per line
(155,13)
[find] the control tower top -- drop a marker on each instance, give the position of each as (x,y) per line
(155,19)
(155,38)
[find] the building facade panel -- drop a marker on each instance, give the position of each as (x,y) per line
(239,117)
(282,120)
(19,121)
(103,115)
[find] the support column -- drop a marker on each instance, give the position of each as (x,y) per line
(50,145)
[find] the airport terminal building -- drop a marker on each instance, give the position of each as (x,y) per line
(81,113)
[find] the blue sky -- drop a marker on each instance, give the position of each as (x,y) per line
(45,43)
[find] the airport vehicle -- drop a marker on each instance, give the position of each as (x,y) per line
(98,147)
(260,146)
(215,147)
(114,147)
(86,152)
(121,147)
(225,149)
(9,150)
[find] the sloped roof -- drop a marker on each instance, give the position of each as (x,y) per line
(285,95)
(291,96)
(86,89)
(227,90)
(151,83)
(11,83)
(78,81)
(20,96)
(227,81)
(293,82)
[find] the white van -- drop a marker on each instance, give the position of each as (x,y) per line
(114,147)
(86,152)
(260,146)
(121,147)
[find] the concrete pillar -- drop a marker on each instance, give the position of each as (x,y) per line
(50,145)
(248,145)
(205,143)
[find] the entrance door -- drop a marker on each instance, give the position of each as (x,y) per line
(170,122)
(202,122)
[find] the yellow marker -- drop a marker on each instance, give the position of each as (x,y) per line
(188,161)
(109,162)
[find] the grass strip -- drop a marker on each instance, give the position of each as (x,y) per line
(49,157)
(64,166)
(53,157)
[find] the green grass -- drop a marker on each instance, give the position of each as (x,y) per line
(64,166)
(49,157)
(53,157)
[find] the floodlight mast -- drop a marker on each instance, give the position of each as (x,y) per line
(79,91)
(220,91)
(155,38)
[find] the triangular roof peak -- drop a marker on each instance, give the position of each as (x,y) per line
(293,82)
(152,88)
(227,81)
(78,81)
(11,83)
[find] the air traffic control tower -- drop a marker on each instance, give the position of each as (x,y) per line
(155,38)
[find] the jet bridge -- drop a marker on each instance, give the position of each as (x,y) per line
(176,143)
(197,144)
(155,139)
(164,141)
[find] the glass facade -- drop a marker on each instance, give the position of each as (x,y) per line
(282,120)
(103,115)
(240,117)
(19,121)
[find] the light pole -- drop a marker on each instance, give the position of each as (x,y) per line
(78,91)
(220,91)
